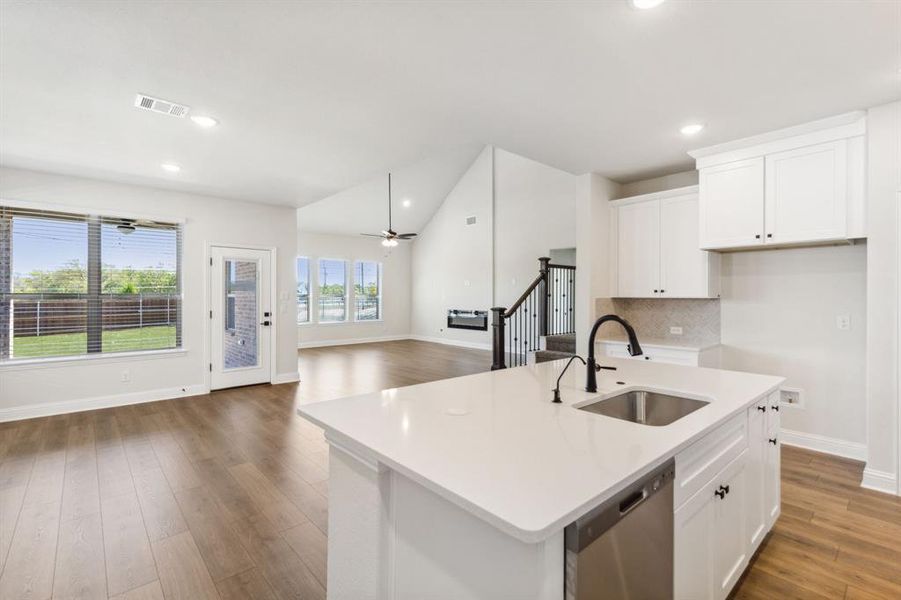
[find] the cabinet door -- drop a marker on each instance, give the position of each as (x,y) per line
(730,546)
(683,267)
(806,193)
(693,551)
(772,473)
(731,204)
(755,479)
(638,250)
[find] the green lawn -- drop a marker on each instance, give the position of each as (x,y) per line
(119,340)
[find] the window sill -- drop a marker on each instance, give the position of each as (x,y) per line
(330,323)
(111,357)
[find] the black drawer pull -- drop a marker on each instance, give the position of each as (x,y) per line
(761,408)
(720,493)
(776,408)
(773,441)
(724,488)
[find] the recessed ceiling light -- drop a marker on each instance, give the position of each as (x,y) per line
(406,203)
(692,128)
(645,4)
(204,121)
(171,167)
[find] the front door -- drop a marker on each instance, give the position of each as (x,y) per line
(241,317)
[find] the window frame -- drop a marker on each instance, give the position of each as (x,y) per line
(96,218)
(310,320)
(381,307)
(347,291)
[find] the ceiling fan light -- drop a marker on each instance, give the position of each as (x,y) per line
(386,243)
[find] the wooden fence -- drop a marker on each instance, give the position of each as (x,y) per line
(49,316)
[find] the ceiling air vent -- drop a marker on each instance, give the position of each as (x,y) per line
(173,109)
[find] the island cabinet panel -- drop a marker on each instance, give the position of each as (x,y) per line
(710,552)
(773,466)
(755,475)
(700,463)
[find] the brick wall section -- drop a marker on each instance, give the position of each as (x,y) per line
(241,344)
(6,242)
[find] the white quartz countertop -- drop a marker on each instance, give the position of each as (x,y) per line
(495,445)
(668,344)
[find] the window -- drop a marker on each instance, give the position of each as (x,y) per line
(368,291)
(303,289)
(74,284)
(332,290)
(231,307)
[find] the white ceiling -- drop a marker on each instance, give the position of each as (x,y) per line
(314,98)
(364,208)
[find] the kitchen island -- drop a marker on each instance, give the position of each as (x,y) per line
(462,488)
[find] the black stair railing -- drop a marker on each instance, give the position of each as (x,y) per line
(547,307)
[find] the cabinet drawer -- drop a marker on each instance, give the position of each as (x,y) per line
(700,462)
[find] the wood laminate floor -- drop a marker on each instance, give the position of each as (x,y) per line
(225,496)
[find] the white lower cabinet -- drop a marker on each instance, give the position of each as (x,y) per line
(718,529)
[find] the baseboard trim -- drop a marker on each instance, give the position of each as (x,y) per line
(880,481)
(17,413)
(286,378)
(348,342)
(828,445)
(446,342)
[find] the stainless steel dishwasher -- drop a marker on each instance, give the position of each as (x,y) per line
(623,549)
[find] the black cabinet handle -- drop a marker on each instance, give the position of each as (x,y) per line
(662,291)
(265,323)
(720,493)
(769,235)
(776,408)
(761,408)
(655,291)
(773,441)
(724,488)
(757,236)
(647,358)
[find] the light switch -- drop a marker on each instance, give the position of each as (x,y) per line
(843,322)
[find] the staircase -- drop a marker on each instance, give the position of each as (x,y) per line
(557,347)
(540,325)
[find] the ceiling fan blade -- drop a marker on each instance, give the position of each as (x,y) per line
(406,236)
(378,235)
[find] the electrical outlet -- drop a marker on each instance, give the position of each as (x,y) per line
(125,376)
(843,322)
(675,330)
(791,397)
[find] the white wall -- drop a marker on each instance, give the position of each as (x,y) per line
(452,263)
(30,390)
(883,184)
(534,211)
(779,310)
(593,268)
(395,323)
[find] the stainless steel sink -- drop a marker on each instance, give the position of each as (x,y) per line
(646,408)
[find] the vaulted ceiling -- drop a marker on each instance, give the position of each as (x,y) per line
(317,97)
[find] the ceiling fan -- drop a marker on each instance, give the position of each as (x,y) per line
(389,236)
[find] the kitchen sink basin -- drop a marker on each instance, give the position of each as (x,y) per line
(645,407)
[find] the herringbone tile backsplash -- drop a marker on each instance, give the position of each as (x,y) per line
(653,317)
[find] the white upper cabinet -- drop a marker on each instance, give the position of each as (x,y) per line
(806,191)
(655,241)
(731,204)
(795,186)
(638,266)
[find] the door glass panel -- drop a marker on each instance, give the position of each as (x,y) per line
(239,305)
